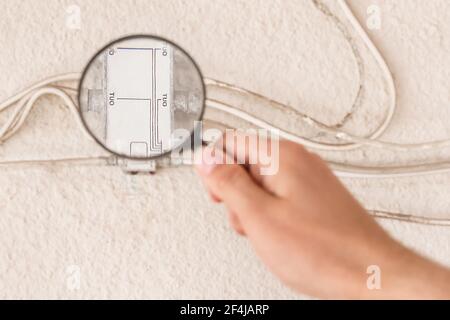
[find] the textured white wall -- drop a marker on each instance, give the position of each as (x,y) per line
(158,236)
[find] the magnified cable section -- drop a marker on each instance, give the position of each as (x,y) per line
(136,92)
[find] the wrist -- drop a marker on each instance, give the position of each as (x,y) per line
(407,275)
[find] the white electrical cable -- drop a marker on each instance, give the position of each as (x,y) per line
(355,142)
(28,99)
(378,58)
(58,78)
(26,103)
(381,63)
(225,107)
(85,161)
(354,171)
(25,100)
(340,170)
(410,218)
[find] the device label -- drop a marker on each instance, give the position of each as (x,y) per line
(138,95)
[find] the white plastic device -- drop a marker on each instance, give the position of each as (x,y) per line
(138,97)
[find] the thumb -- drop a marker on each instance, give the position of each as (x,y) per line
(232,184)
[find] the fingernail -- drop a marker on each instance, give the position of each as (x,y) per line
(207,164)
(206,168)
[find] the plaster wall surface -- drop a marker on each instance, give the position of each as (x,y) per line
(159,236)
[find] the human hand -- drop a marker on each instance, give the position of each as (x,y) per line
(310,231)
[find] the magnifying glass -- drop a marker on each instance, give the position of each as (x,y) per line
(138,93)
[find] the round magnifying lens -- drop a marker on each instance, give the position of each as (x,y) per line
(138,93)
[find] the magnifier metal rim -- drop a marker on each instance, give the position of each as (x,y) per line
(134,36)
